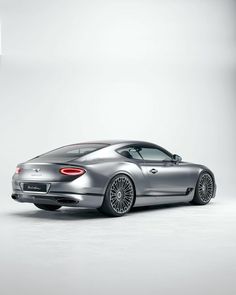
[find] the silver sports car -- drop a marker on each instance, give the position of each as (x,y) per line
(112,176)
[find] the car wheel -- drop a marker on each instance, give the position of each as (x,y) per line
(119,196)
(204,189)
(47,207)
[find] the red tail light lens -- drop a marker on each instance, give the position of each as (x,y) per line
(72,171)
(18,170)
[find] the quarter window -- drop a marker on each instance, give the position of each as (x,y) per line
(130,152)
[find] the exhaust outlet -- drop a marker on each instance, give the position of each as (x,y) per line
(14,196)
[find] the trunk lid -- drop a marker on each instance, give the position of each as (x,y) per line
(37,170)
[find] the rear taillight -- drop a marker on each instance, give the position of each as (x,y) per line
(18,170)
(72,171)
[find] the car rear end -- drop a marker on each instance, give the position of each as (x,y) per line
(57,178)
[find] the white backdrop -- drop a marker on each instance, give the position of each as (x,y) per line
(162,71)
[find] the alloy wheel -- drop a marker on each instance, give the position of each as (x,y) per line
(205,187)
(121,194)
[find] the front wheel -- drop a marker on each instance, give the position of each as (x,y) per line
(204,189)
(119,196)
(47,207)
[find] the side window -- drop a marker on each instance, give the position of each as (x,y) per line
(153,154)
(144,153)
(130,152)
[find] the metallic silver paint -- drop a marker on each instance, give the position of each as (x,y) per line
(155,182)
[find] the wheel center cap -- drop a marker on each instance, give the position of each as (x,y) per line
(119,195)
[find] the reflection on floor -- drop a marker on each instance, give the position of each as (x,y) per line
(171,249)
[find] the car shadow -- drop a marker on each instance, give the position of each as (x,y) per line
(62,214)
(88,214)
(159,207)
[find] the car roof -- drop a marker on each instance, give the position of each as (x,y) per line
(116,141)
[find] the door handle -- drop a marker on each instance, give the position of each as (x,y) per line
(153,171)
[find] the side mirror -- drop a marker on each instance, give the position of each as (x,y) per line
(176,158)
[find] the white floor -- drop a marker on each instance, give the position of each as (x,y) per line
(178,249)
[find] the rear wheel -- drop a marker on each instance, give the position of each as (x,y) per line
(204,189)
(47,207)
(119,196)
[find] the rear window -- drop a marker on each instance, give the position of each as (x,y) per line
(74,151)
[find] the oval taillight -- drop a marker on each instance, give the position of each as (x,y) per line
(72,171)
(18,170)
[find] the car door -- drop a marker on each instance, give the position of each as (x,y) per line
(164,176)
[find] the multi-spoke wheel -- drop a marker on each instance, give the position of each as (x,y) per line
(204,189)
(119,196)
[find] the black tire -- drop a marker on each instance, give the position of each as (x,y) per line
(119,196)
(47,207)
(204,189)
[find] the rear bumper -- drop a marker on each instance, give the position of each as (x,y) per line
(60,199)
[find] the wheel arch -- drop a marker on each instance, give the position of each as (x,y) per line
(206,170)
(121,172)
